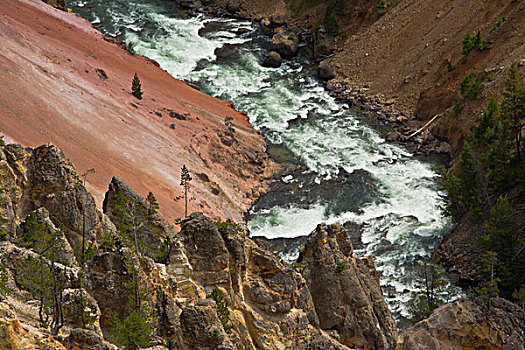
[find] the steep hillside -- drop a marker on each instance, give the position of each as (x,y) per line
(405,56)
(63,82)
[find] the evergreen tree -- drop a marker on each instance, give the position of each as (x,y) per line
(185,179)
(455,205)
(484,133)
(473,180)
(433,288)
(153,205)
(134,332)
(136,87)
(40,275)
(488,289)
(133,223)
(519,297)
(83,249)
(513,106)
(521,181)
(500,173)
(502,237)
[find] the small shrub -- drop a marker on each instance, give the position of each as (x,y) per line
(229,227)
(136,87)
(471,86)
(381,5)
(222,309)
(162,254)
(331,25)
(130,47)
(491,76)
(341,266)
(450,67)
(132,333)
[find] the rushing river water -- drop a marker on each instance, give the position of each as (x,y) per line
(348,172)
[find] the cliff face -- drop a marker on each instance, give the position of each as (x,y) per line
(468,324)
(63,82)
(271,305)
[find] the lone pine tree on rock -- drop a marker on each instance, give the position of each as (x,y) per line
(136,87)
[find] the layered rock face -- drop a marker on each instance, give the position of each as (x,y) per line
(271,305)
(345,290)
(468,324)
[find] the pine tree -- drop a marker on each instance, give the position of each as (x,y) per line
(502,237)
(83,251)
(136,87)
(473,180)
(433,287)
(40,276)
(484,133)
(185,179)
(500,173)
(134,222)
(513,106)
(488,289)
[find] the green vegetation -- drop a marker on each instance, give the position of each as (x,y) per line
(433,288)
(491,186)
(132,329)
(330,25)
(229,227)
(132,333)
(40,277)
(185,179)
(130,47)
(341,266)
(498,24)
(471,86)
(136,87)
(513,106)
(222,309)
(473,42)
(450,67)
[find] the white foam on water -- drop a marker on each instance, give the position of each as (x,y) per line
(396,230)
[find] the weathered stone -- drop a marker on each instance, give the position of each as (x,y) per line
(325,70)
(393,136)
(15,335)
(323,45)
(468,324)
(285,43)
(346,291)
(79,338)
(154,233)
(202,328)
(273,60)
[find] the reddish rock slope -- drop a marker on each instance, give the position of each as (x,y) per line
(53,90)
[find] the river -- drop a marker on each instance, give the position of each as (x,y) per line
(347,172)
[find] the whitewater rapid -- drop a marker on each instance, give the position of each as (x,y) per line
(400,206)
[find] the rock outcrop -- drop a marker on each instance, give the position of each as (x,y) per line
(15,335)
(273,60)
(345,290)
(285,42)
(325,70)
(468,324)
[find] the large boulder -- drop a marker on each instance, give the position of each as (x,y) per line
(325,70)
(155,230)
(202,328)
(468,324)
(285,42)
(323,44)
(80,338)
(15,335)
(44,178)
(345,290)
(273,60)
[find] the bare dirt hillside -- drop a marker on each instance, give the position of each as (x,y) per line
(404,55)
(63,82)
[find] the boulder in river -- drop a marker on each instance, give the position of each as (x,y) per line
(325,70)
(285,42)
(273,60)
